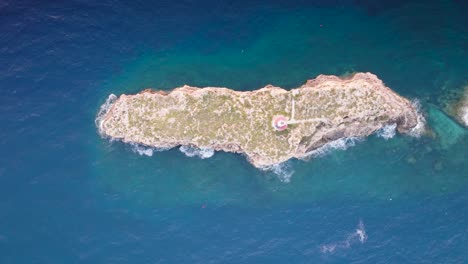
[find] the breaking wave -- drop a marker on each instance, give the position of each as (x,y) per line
(103,111)
(341,144)
(387,131)
(283,171)
(202,153)
(142,150)
(146,151)
(420,127)
(359,235)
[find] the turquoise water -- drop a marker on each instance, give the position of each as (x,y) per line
(69,196)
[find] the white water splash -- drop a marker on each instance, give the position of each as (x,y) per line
(358,235)
(145,150)
(142,150)
(387,131)
(103,111)
(283,171)
(361,232)
(339,144)
(420,127)
(202,153)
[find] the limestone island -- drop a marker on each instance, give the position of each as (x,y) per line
(270,125)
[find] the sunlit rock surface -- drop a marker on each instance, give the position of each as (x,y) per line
(462,108)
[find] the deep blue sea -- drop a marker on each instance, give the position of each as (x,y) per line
(69,196)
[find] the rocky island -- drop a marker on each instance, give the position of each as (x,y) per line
(270,125)
(461,108)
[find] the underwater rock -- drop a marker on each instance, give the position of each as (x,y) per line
(447,131)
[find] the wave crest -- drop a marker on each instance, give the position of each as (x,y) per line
(339,144)
(103,111)
(202,153)
(420,127)
(358,235)
(142,150)
(145,150)
(283,171)
(387,131)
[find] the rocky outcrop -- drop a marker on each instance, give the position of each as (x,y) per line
(269,125)
(454,102)
(462,109)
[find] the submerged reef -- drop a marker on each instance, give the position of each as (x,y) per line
(270,125)
(446,129)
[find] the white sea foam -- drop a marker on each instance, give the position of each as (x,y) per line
(420,127)
(142,150)
(387,131)
(339,144)
(145,150)
(103,111)
(361,232)
(358,235)
(202,153)
(283,171)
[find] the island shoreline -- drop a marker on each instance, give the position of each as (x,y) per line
(302,139)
